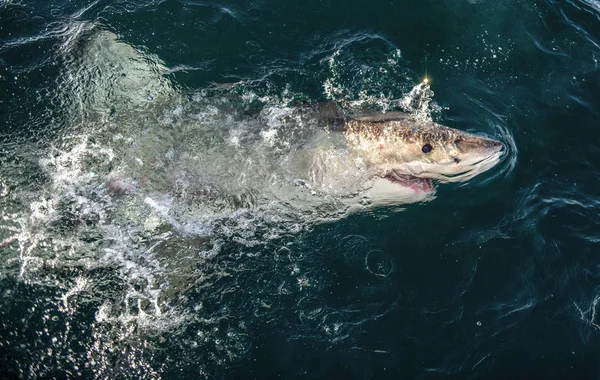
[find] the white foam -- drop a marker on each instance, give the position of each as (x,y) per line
(269,136)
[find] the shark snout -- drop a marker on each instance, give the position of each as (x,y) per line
(494,145)
(479,144)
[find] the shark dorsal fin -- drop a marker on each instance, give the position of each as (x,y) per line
(332,115)
(378,117)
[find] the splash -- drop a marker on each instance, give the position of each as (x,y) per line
(173,225)
(418,101)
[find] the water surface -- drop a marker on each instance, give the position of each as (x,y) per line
(129,134)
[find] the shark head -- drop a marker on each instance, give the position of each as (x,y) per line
(401,147)
(442,153)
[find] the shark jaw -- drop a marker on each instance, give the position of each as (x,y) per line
(414,181)
(394,190)
(411,183)
(446,172)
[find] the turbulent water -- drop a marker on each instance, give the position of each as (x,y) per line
(171,206)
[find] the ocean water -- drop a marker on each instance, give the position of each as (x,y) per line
(149,228)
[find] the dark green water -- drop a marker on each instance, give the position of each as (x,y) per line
(134,277)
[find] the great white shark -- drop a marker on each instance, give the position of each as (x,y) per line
(354,161)
(201,158)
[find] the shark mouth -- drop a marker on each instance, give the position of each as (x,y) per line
(416,184)
(475,169)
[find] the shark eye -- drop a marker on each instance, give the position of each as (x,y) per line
(427,148)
